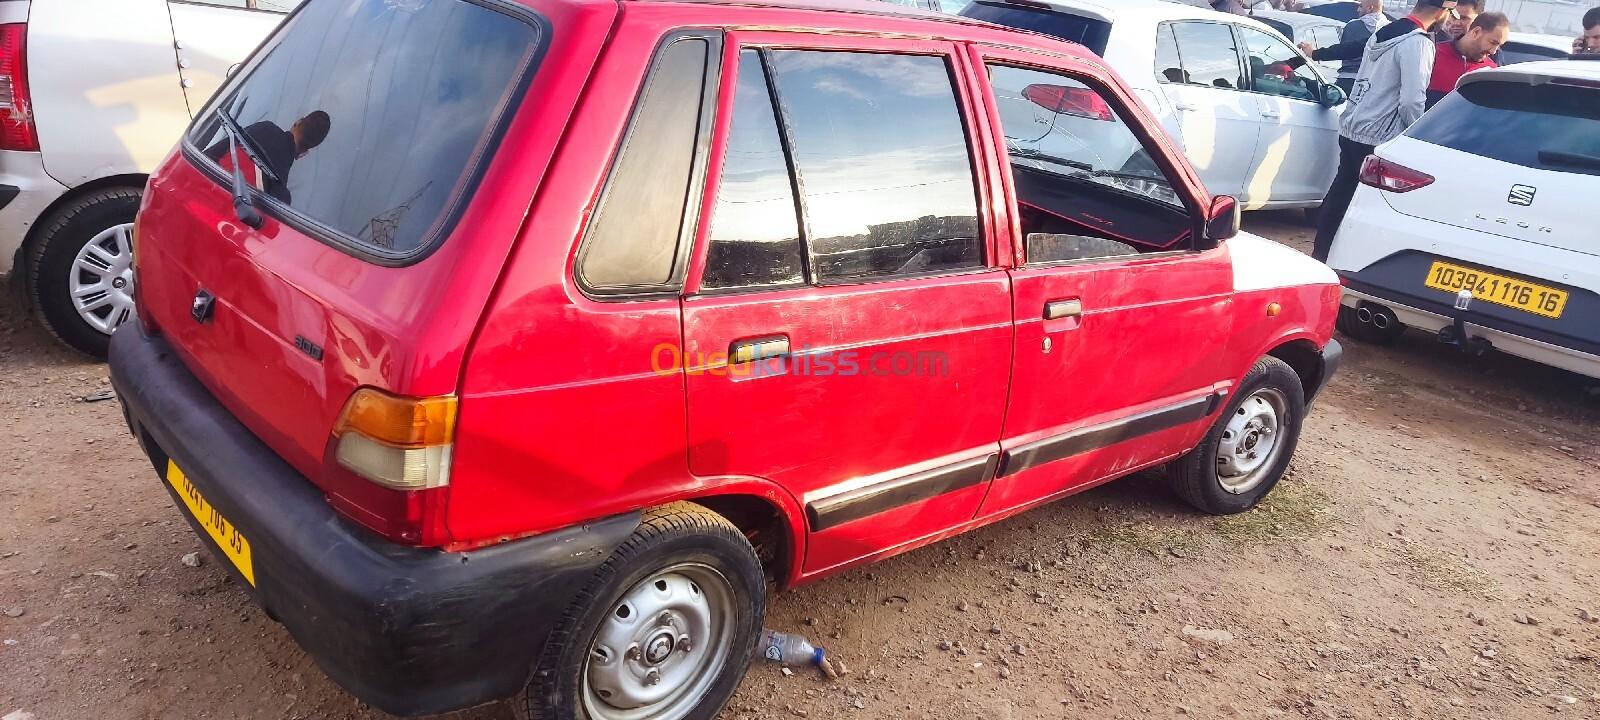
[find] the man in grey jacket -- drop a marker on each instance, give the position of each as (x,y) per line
(1390,93)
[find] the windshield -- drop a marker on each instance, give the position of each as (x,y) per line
(1088,32)
(1549,127)
(374,115)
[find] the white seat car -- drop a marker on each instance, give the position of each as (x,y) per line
(1475,224)
(1256,118)
(93,93)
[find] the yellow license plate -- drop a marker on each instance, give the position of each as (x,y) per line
(1498,289)
(226,536)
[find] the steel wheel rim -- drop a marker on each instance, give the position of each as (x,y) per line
(661,646)
(1251,441)
(100,280)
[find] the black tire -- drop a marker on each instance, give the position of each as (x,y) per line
(1347,324)
(1314,216)
(61,236)
(1194,477)
(668,535)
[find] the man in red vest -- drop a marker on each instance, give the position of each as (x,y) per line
(1472,51)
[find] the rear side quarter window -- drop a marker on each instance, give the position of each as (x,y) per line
(637,241)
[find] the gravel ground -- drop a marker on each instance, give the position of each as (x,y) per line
(1434,553)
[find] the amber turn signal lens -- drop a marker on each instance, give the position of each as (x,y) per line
(400,421)
(1273,309)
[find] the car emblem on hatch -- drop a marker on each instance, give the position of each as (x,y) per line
(201,308)
(1522,195)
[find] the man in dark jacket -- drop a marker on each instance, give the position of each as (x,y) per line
(1352,42)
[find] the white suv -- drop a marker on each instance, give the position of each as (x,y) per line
(93,93)
(1475,224)
(1257,120)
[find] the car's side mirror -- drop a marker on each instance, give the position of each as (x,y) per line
(1333,96)
(1222,222)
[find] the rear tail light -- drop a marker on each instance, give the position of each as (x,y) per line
(17,131)
(399,443)
(400,447)
(1079,102)
(1385,175)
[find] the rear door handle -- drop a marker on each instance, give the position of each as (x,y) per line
(1270,114)
(755,349)
(1187,107)
(1057,309)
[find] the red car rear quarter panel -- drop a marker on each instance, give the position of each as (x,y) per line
(564,415)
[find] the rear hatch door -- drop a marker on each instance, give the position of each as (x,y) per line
(1513,155)
(377,118)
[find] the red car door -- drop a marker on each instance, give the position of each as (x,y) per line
(1121,322)
(847,325)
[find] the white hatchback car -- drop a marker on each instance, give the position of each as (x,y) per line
(1257,120)
(1475,224)
(93,94)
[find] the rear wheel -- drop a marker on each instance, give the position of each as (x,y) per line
(665,630)
(1248,448)
(81,268)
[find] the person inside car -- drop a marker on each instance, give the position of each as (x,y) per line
(1474,50)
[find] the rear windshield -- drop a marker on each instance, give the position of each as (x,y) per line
(1088,32)
(375,115)
(1549,126)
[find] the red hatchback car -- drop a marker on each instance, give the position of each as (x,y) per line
(510,349)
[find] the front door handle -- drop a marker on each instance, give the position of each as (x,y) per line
(1057,309)
(754,349)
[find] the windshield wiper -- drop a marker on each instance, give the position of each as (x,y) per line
(1557,157)
(242,204)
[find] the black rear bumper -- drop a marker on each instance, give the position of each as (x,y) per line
(408,630)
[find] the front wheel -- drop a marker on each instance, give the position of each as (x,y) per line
(665,630)
(1248,447)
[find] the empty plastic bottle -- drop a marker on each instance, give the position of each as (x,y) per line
(789,649)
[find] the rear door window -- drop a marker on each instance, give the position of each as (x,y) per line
(1092,33)
(376,116)
(755,230)
(1210,55)
(1551,126)
(880,152)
